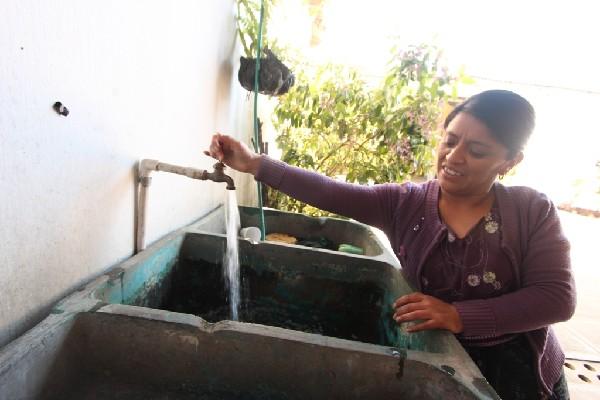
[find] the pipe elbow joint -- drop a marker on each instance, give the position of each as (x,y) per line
(146,166)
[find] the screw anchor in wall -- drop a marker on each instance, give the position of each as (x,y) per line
(60,108)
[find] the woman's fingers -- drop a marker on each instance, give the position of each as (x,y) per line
(233,153)
(437,313)
(423,326)
(411,316)
(407,308)
(215,149)
(409,298)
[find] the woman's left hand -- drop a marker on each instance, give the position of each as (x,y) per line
(435,313)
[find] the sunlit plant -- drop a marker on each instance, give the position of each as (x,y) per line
(336,123)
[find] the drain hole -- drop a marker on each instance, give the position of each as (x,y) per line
(584,378)
(588,366)
(569,365)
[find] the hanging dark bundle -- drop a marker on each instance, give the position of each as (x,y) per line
(274,78)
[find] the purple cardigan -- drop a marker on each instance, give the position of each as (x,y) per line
(408,214)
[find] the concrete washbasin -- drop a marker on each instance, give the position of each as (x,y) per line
(314,323)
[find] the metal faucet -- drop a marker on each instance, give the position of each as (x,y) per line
(146,167)
(218,175)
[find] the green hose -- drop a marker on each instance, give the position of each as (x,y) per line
(256,142)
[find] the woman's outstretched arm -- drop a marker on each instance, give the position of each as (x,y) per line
(372,205)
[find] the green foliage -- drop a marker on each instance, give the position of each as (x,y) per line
(248,18)
(334,122)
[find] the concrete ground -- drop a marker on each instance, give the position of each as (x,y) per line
(580,336)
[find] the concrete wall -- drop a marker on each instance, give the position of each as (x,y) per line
(142,79)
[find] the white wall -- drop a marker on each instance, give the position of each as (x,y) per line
(142,79)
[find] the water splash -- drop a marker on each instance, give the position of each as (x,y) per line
(232,261)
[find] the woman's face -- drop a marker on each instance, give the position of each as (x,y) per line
(469,158)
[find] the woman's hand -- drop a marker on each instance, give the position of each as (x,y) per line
(435,313)
(233,153)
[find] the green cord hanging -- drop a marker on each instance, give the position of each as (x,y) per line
(256,142)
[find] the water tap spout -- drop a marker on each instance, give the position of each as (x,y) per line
(218,175)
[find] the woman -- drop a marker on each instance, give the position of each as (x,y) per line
(490,262)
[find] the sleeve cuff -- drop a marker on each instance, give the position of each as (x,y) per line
(477,318)
(270,171)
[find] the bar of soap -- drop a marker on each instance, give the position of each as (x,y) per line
(348,248)
(281,237)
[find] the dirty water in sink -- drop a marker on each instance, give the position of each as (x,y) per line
(347,310)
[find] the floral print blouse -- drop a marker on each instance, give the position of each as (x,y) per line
(467,268)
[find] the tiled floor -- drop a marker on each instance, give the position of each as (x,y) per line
(583,378)
(580,336)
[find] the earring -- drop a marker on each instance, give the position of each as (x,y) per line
(500,176)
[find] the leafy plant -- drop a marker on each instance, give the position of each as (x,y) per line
(334,122)
(248,19)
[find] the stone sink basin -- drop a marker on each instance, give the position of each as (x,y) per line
(314,324)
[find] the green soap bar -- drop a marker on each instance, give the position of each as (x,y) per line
(348,248)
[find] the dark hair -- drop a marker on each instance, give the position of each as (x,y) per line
(509,117)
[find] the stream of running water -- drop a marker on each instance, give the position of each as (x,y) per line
(232,261)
